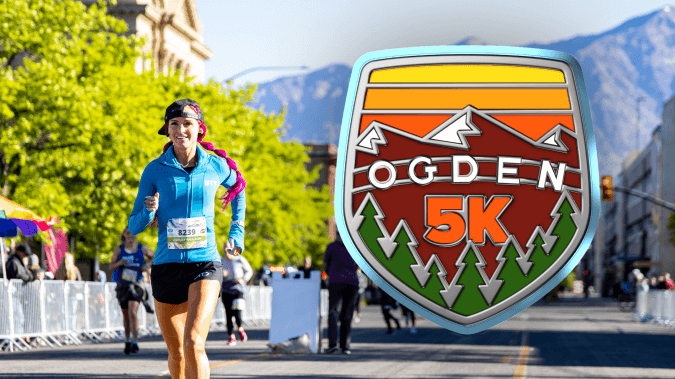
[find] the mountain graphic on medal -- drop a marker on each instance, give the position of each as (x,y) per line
(541,131)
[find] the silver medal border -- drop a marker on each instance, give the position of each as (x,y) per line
(471,55)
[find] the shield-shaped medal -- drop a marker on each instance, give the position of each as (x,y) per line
(467,184)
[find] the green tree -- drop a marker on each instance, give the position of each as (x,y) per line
(78,126)
(402,258)
(56,59)
(470,300)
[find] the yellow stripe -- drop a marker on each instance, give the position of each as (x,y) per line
(467,74)
(519,372)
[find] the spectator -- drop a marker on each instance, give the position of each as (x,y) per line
(100,276)
(409,318)
(670,284)
(653,283)
(33,262)
(343,287)
(39,274)
(661,284)
(307,268)
(264,276)
(644,285)
(16,265)
(363,283)
(67,269)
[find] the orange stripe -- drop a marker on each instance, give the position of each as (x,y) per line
(458,98)
(535,126)
(419,125)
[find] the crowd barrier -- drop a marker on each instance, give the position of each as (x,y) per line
(54,313)
(656,306)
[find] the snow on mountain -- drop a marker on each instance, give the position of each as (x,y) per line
(632,61)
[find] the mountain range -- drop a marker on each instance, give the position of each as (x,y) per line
(628,71)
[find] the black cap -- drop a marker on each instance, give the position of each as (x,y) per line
(25,249)
(176,110)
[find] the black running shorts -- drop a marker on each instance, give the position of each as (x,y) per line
(125,295)
(171,281)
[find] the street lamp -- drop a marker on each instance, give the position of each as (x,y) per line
(264,68)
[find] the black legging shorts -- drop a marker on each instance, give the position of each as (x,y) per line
(229,312)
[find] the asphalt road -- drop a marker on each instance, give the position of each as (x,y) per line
(571,339)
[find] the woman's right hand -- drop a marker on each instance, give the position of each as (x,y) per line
(152,202)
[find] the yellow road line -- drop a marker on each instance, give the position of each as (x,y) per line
(519,372)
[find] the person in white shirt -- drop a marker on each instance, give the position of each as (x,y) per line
(236,273)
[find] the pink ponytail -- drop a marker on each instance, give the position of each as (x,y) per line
(240,184)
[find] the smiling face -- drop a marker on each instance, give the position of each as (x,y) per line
(184,131)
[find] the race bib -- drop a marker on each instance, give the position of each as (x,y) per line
(129,275)
(186,233)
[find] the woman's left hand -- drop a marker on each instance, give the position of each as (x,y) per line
(231,249)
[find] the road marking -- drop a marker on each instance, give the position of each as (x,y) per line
(519,372)
(250,358)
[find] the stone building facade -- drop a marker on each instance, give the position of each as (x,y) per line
(635,233)
(172,33)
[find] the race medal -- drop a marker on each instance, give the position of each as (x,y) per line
(186,233)
(467,184)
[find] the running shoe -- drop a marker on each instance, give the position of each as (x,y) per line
(134,347)
(346,351)
(232,341)
(127,348)
(243,336)
(332,350)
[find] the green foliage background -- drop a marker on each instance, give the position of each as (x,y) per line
(78,126)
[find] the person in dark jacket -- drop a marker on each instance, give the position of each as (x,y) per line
(388,304)
(16,269)
(343,287)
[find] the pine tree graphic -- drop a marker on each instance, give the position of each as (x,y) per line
(564,229)
(543,249)
(470,272)
(399,256)
(511,273)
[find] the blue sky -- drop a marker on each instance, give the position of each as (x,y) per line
(315,33)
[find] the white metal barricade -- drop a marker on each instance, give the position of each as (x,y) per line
(56,312)
(657,306)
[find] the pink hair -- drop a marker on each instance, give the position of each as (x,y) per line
(237,187)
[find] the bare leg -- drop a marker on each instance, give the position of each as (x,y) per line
(171,319)
(133,320)
(202,300)
(126,322)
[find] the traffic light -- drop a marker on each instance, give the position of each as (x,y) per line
(607,189)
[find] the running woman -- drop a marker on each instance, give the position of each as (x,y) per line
(178,189)
(129,258)
(236,273)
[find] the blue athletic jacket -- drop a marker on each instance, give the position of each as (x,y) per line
(187,195)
